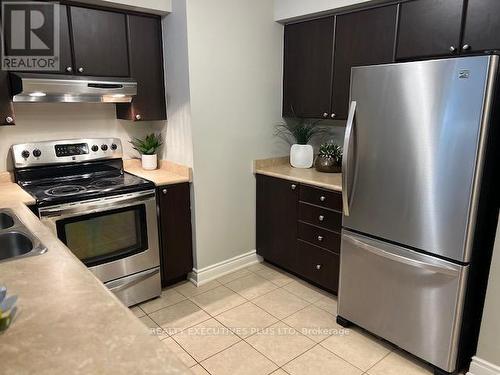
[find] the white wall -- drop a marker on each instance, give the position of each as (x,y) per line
(489,339)
(285,10)
(38,122)
(235,73)
(179,145)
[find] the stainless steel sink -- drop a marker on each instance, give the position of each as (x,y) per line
(6,221)
(16,241)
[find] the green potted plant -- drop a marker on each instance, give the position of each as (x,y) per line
(148,148)
(298,133)
(329,159)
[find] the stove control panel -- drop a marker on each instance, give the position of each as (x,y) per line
(65,151)
(71,149)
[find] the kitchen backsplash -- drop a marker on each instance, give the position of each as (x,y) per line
(38,122)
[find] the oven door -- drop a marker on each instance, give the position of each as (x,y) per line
(114,237)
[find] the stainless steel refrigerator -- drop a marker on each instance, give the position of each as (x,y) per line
(418,138)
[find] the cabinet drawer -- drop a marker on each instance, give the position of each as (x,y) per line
(321,237)
(319,265)
(321,217)
(320,197)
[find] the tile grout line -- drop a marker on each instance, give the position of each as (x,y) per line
(272,359)
(381,359)
(349,362)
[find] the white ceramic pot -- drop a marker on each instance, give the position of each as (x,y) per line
(301,156)
(149,162)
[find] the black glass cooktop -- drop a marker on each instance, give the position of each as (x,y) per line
(89,187)
(51,185)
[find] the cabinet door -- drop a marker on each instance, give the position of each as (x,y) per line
(307,74)
(482,26)
(99,42)
(65,60)
(176,253)
(146,67)
(361,38)
(277,221)
(6,107)
(429,28)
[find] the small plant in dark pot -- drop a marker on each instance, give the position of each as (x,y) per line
(329,159)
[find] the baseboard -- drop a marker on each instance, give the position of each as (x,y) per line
(479,366)
(204,275)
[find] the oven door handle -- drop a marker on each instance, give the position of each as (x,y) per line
(103,204)
(119,285)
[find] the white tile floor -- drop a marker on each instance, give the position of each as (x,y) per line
(261,320)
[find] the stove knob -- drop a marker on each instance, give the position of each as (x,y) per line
(37,153)
(104,147)
(114,147)
(25,154)
(95,148)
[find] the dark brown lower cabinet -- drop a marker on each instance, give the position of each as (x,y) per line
(176,243)
(298,229)
(277,214)
(319,265)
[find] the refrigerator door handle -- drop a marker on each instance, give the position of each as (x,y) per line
(345,159)
(401,259)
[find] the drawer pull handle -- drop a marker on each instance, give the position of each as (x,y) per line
(321,218)
(322,198)
(318,266)
(293,186)
(320,238)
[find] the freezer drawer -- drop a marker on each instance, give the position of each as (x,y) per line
(412,300)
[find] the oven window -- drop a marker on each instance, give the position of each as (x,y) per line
(105,236)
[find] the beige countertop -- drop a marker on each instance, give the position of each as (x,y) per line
(281,168)
(168,173)
(67,321)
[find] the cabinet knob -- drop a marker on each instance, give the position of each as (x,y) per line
(69,69)
(321,218)
(80,70)
(164,191)
(138,117)
(325,115)
(452,49)
(293,186)
(466,47)
(320,238)
(318,266)
(322,198)
(333,115)
(9,120)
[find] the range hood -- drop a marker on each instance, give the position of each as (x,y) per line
(54,88)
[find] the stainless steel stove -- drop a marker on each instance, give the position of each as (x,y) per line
(104,215)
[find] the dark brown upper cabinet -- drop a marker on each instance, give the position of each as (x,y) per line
(361,38)
(6,107)
(277,215)
(99,42)
(482,26)
(146,67)
(307,72)
(429,28)
(65,60)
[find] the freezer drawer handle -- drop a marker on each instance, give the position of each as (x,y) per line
(400,259)
(345,164)
(119,285)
